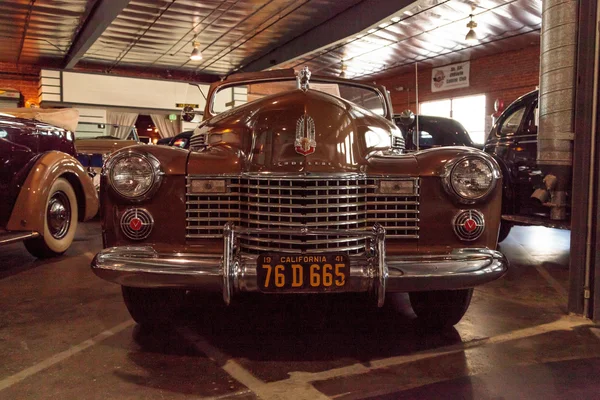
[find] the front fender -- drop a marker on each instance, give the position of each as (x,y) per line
(29,210)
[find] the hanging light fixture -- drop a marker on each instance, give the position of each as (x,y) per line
(471,35)
(196,53)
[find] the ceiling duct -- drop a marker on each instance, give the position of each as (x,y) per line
(557,97)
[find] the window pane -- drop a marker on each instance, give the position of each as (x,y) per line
(530,127)
(512,122)
(470,112)
(440,108)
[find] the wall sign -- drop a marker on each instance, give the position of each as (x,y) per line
(450,77)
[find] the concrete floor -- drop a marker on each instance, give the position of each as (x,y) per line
(65,334)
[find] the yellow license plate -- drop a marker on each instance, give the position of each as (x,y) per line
(278,272)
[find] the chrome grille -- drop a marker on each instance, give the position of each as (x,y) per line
(397,142)
(294,203)
(198,140)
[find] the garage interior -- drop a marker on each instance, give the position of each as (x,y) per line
(531,334)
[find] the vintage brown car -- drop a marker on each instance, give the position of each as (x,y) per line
(44,190)
(299,186)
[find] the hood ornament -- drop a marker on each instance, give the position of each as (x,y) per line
(305,135)
(303,77)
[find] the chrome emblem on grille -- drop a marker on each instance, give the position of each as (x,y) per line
(305,135)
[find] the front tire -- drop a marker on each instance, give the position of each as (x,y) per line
(441,308)
(151,307)
(60,222)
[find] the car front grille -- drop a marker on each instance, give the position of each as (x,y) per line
(397,142)
(197,141)
(291,204)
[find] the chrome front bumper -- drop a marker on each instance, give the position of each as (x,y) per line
(236,272)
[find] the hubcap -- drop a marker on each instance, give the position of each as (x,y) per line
(59,215)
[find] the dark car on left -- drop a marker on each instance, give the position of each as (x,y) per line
(44,190)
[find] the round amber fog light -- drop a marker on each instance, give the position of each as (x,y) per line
(136,223)
(469,225)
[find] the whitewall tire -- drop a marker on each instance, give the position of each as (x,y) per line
(60,222)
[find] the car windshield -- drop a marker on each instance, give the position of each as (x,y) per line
(235,95)
(89,130)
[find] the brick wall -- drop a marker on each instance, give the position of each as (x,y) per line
(24,78)
(505,75)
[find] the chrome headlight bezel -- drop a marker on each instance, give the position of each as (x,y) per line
(450,168)
(157,174)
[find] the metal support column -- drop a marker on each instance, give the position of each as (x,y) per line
(585,182)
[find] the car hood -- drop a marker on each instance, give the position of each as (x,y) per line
(101,146)
(267,136)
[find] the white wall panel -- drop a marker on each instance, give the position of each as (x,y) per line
(50,73)
(116,91)
(96,115)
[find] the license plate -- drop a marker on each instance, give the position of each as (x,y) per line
(277,272)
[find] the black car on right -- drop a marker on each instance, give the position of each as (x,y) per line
(513,143)
(433,132)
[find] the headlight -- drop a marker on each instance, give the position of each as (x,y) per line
(133,175)
(471,178)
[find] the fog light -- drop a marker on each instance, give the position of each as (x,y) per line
(136,223)
(469,225)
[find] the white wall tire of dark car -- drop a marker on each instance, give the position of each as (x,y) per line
(60,222)
(441,308)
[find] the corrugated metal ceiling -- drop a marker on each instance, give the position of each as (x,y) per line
(430,32)
(32,31)
(160,33)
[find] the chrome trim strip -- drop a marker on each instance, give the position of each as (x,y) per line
(308,242)
(13,237)
(291,251)
(382,268)
(275,205)
(315,197)
(228,257)
(306,175)
(302,189)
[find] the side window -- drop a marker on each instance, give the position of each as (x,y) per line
(511,124)
(427,140)
(530,127)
